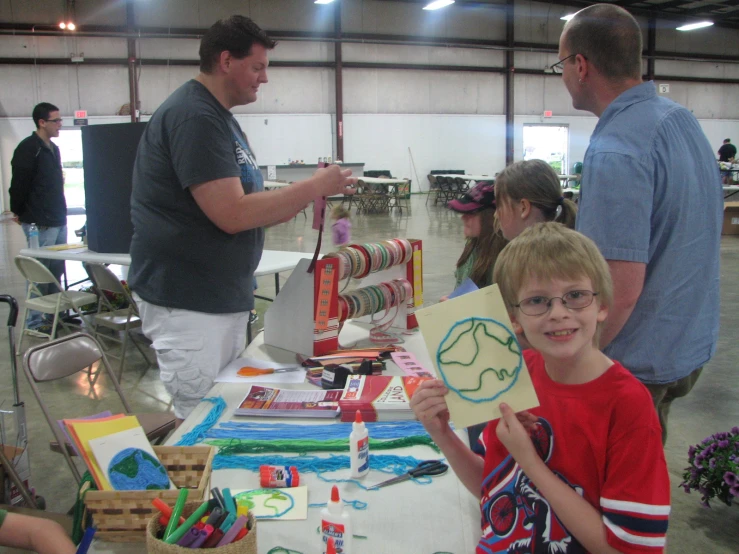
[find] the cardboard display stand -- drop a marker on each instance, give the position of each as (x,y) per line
(304,317)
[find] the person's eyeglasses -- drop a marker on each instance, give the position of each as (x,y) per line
(558,67)
(58,120)
(573,300)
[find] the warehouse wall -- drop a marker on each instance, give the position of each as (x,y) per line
(443,119)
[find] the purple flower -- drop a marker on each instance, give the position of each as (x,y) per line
(730,479)
(735,430)
(691,451)
(712,463)
(686,488)
(734,490)
(723,444)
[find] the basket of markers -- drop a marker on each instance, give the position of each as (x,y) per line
(216,524)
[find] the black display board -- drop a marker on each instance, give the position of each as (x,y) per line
(109,152)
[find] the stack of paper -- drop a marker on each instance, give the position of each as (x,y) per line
(117,453)
(266,401)
(379,397)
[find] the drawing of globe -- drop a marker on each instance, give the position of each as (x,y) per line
(479,359)
(133,469)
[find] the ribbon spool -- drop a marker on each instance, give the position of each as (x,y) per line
(359,260)
(372,300)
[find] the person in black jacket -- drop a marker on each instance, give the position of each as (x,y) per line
(37,189)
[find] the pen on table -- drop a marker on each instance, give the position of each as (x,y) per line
(86,541)
(176,511)
(189,522)
(233,531)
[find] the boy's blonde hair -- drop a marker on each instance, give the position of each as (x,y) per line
(339,212)
(552,251)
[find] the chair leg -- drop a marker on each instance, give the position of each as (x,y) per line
(18,350)
(124,342)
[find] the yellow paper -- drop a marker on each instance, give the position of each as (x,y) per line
(86,430)
(475,352)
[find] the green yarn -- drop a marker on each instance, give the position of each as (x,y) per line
(229,447)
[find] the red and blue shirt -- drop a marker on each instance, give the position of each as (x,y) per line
(603,439)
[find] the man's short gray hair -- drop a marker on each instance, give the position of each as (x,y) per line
(609,38)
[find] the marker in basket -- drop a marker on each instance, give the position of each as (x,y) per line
(86,541)
(176,511)
(189,537)
(233,531)
(216,492)
(160,505)
(189,522)
(229,500)
(204,534)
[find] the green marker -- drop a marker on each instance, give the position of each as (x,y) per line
(189,522)
(176,512)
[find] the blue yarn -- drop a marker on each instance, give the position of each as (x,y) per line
(384,463)
(286,431)
(200,431)
(356,504)
(150,473)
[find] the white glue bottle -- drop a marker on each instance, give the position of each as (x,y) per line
(336,523)
(359,448)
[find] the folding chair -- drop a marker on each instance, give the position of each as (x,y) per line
(65,357)
(118,320)
(433,189)
(402,194)
(37,274)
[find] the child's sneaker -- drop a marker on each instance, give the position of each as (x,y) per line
(253,318)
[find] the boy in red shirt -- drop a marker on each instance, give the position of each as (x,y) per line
(585,471)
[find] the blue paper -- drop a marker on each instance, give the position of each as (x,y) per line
(468,285)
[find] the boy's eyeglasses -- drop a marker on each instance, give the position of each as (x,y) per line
(558,67)
(58,120)
(573,300)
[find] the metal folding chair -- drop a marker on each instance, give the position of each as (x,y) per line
(65,357)
(37,274)
(118,320)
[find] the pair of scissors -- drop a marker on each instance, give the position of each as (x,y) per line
(427,468)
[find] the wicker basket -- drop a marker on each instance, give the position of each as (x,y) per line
(247,545)
(121,516)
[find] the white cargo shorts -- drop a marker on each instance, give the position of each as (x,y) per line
(192,348)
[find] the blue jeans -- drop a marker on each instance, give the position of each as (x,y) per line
(47,236)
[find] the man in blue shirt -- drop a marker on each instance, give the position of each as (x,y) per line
(651,200)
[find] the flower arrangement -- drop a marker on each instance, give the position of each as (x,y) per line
(714,468)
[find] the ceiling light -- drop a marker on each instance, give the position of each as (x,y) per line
(436,4)
(62,25)
(323,1)
(567,17)
(693,26)
(71,26)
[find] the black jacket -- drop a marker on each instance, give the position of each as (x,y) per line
(37,185)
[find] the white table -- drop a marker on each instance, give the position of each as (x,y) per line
(467,177)
(406,518)
(272,262)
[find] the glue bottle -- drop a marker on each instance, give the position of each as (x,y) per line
(359,448)
(336,524)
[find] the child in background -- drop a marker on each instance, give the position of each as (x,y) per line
(484,240)
(35,534)
(562,477)
(530,192)
(341,231)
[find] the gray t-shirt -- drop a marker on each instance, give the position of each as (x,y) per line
(179,258)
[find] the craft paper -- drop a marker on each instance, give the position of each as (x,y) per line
(476,354)
(129,462)
(288,503)
(60,422)
(466,286)
(229,373)
(409,364)
(82,432)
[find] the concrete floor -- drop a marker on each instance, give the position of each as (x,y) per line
(711,407)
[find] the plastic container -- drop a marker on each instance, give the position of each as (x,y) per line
(336,524)
(359,448)
(33,236)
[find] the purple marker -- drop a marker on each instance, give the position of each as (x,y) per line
(188,538)
(233,531)
(200,540)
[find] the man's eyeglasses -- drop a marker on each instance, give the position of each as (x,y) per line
(558,67)
(58,120)
(573,300)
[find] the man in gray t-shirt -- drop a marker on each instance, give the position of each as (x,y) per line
(199,207)
(651,200)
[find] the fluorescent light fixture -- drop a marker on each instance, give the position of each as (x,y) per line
(62,25)
(71,26)
(567,17)
(693,26)
(323,1)
(436,4)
